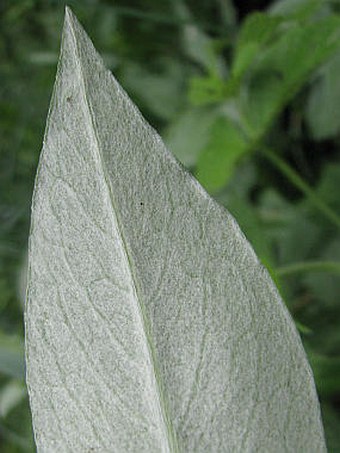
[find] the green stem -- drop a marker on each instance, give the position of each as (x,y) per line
(309,266)
(298,182)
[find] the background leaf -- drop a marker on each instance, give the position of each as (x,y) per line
(282,69)
(224,148)
(323,111)
(189,133)
(11,356)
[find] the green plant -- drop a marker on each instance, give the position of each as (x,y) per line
(175,59)
(150,323)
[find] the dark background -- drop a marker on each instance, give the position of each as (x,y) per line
(249,102)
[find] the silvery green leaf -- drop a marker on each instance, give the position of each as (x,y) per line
(151,326)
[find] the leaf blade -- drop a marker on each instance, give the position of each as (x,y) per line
(88,275)
(222,351)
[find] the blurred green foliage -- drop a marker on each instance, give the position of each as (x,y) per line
(247,95)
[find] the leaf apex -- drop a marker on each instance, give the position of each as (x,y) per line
(68,14)
(71,22)
(75,39)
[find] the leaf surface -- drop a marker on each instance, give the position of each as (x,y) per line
(151,326)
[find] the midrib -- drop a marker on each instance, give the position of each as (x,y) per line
(169,431)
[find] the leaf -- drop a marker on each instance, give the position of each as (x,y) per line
(217,160)
(250,222)
(297,9)
(206,90)
(161,92)
(11,356)
(150,323)
(200,48)
(11,396)
(188,134)
(323,107)
(257,30)
(282,69)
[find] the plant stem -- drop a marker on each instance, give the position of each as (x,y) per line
(298,182)
(309,266)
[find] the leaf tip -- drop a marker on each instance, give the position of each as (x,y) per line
(70,18)
(74,36)
(68,13)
